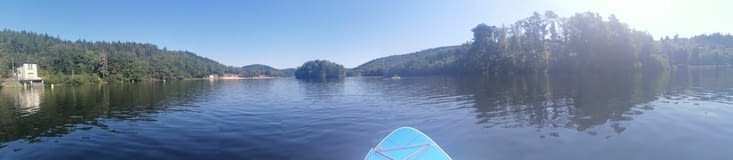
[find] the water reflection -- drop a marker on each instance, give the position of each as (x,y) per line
(27,100)
(590,103)
(321,90)
(579,101)
(34,113)
(249,118)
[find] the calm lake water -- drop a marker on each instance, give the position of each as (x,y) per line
(680,115)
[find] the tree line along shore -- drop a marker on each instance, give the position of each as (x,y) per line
(541,43)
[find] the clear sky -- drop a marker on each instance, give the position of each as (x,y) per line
(285,34)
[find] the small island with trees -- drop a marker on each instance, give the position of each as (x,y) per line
(320,70)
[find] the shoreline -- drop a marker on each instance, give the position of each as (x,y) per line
(234,78)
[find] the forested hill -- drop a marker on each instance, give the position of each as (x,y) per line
(256,70)
(262,70)
(701,50)
(88,61)
(431,61)
(583,42)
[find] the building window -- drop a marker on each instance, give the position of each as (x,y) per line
(30,67)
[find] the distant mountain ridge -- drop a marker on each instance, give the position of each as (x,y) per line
(426,62)
(265,70)
(259,70)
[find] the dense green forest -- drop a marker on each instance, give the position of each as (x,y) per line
(288,72)
(256,70)
(80,62)
(701,50)
(320,70)
(426,62)
(584,42)
(77,62)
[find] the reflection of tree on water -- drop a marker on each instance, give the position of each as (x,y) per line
(583,102)
(66,109)
(579,101)
(702,84)
(321,90)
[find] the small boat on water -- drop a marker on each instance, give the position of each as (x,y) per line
(395,77)
(407,143)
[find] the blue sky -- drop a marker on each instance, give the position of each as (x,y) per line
(285,34)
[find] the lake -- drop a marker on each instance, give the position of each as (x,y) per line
(679,115)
